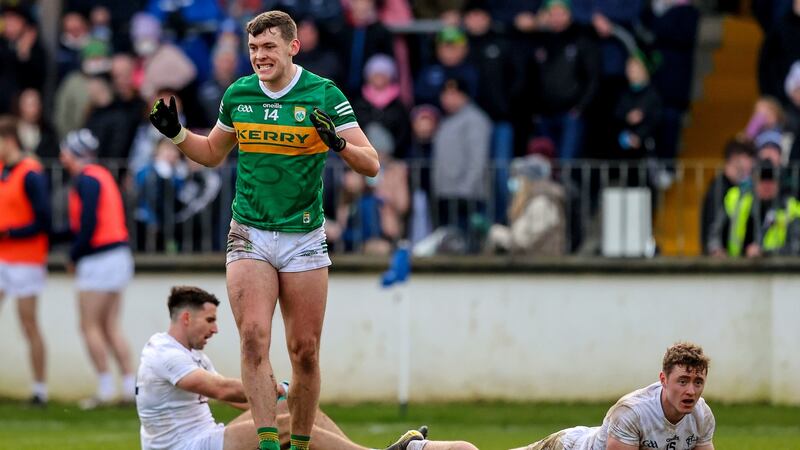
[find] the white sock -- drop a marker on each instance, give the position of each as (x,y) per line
(128,387)
(40,390)
(416,445)
(105,386)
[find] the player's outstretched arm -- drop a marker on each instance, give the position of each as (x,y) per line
(706,446)
(209,150)
(214,386)
(351,144)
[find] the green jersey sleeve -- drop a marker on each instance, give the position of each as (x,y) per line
(339,108)
(224,120)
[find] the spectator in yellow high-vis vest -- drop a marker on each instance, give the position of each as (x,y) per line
(758,218)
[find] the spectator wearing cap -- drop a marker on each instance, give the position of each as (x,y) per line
(379,101)
(73,103)
(101,259)
(739,161)
(674,25)
(769,146)
(24,226)
(761,219)
(564,77)
(638,112)
(22,57)
(163,65)
(452,50)
(461,160)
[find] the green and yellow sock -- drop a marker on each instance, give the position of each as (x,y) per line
(268,439)
(300,442)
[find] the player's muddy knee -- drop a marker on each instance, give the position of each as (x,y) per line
(254,343)
(304,354)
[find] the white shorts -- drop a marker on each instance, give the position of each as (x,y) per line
(286,252)
(22,280)
(213,439)
(108,271)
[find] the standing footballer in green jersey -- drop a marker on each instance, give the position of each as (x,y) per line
(285,120)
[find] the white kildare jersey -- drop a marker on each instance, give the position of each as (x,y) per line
(637,419)
(169,416)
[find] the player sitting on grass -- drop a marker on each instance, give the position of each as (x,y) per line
(667,415)
(176,379)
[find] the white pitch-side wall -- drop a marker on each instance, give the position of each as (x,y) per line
(477,336)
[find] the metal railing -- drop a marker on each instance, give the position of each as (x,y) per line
(576,207)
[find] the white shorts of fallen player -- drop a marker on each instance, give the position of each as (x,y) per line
(22,280)
(286,252)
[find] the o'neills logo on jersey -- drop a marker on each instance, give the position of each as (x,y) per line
(299,113)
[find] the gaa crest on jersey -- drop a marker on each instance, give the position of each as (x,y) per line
(299,113)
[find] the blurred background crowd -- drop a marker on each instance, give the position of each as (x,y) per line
(498,123)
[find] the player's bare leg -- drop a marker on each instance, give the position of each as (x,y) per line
(92,311)
(26,308)
(113,333)
(240,435)
(117,343)
(253,293)
(91,320)
(303,296)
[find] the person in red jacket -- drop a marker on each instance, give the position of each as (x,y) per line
(101,259)
(24,224)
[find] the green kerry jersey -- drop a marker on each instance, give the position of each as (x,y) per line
(281,156)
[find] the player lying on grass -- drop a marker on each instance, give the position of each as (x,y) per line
(667,415)
(176,379)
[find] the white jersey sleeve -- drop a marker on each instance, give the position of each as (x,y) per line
(623,425)
(174,365)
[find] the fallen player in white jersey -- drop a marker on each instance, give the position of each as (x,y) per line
(667,415)
(176,379)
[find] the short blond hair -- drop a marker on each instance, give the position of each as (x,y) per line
(273,19)
(685,354)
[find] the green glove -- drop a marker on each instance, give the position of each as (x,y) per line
(327,130)
(165,118)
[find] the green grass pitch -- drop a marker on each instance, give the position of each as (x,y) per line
(490,426)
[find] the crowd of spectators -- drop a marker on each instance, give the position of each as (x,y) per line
(542,83)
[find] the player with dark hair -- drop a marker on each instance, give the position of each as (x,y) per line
(667,415)
(176,379)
